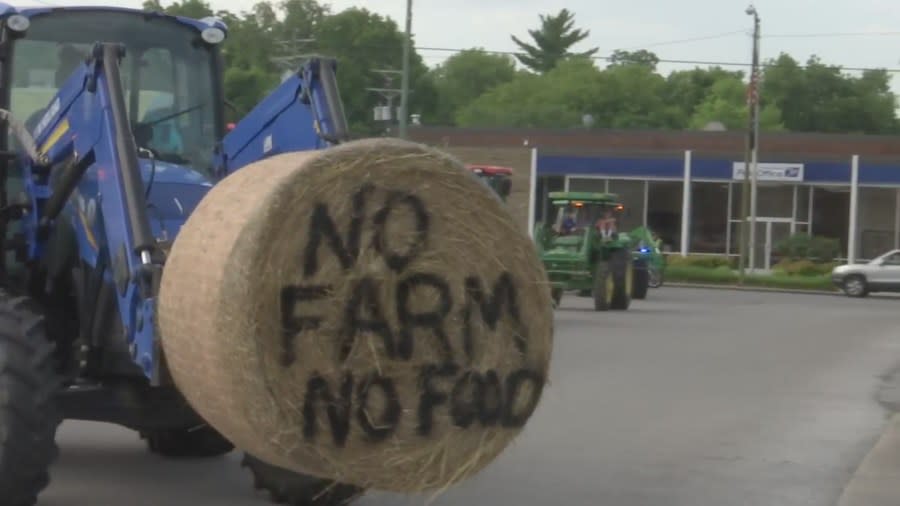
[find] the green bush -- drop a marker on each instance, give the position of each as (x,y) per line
(725,276)
(802,268)
(704,261)
(806,247)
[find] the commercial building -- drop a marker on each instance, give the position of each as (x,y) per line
(687,186)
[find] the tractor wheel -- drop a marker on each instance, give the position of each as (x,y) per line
(294,489)
(28,413)
(197,442)
(622,267)
(604,287)
(641,279)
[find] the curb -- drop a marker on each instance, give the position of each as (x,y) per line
(751,288)
(874,483)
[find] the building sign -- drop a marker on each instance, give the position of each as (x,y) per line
(792,172)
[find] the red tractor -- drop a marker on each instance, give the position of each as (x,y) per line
(497,178)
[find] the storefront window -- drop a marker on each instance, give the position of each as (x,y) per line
(664,212)
(584,184)
(709,208)
(877,207)
(631,194)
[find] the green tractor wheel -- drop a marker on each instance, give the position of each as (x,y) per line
(604,287)
(622,268)
(641,279)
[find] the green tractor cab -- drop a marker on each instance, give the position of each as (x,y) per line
(496,178)
(583,252)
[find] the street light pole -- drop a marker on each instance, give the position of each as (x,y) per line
(751,155)
(404,97)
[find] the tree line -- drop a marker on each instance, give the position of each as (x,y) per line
(545,85)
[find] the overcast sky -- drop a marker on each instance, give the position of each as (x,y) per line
(799,27)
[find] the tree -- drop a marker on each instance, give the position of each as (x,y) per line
(726,102)
(820,98)
(552,42)
(557,99)
(363,42)
(641,57)
(465,76)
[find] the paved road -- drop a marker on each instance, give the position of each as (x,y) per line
(693,398)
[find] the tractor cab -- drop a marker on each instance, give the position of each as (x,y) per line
(497,178)
(580,212)
(170,74)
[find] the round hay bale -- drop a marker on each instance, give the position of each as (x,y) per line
(370,313)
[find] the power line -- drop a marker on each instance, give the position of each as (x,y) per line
(664,60)
(692,39)
(829,35)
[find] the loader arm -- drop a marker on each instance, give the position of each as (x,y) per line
(85,145)
(304,112)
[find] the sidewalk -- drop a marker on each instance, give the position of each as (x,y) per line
(713,286)
(877,481)
(775,290)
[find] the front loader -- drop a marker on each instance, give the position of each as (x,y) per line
(118,131)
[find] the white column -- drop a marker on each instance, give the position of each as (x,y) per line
(809,215)
(794,211)
(686,204)
(728,220)
(854,197)
(566,184)
(532,192)
(646,200)
(897,220)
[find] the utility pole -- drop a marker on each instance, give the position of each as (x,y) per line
(291,54)
(748,203)
(389,92)
(404,97)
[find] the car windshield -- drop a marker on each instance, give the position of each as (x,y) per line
(167,77)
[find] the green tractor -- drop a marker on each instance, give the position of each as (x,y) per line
(581,253)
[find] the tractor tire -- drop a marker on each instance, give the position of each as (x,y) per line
(622,267)
(199,442)
(29,416)
(641,279)
(294,489)
(604,287)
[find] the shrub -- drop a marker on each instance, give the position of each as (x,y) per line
(704,261)
(802,268)
(807,247)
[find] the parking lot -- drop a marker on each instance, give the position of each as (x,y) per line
(693,397)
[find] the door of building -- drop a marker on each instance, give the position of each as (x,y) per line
(769,232)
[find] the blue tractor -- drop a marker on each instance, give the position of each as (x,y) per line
(117,131)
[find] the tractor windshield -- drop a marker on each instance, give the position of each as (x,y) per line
(167,76)
(574,218)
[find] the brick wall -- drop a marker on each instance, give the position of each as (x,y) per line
(793,146)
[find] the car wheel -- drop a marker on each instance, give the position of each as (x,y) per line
(855,286)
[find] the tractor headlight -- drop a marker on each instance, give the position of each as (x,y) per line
(213,35)
(18,23)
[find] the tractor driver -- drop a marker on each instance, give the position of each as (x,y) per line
(569,223)
(69,59)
